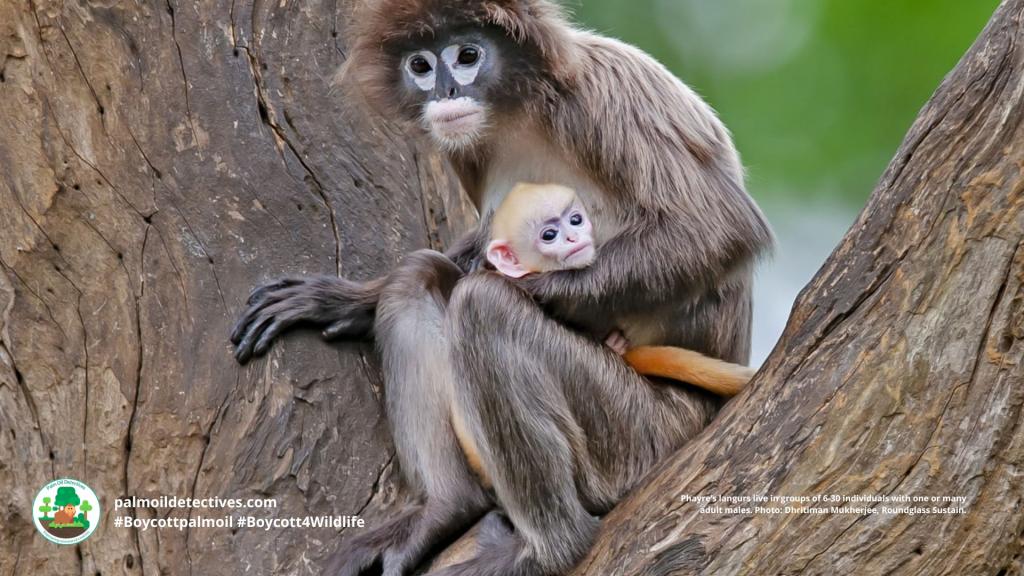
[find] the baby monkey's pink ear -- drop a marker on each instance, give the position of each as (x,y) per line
(501,256)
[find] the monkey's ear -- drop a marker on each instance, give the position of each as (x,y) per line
(501,256)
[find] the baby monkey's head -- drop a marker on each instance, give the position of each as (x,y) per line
(540,228)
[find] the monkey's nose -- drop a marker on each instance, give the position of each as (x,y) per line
(452,92)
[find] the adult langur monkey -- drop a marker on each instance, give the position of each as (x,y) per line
(559,426)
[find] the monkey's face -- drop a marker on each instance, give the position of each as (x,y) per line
(449,81)
(566,239)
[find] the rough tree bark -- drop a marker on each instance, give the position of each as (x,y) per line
(158,160)
(900,373)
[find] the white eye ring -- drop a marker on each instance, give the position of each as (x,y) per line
(425,56)
(424,80)
(476,60)
(464,74)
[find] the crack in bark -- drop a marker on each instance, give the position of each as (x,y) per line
(78,64)
(60,132)
(46,306)
(177,272)
(374,490)
(334,33)
(208,438)
(5,352)
(209,258)
(85,351)
(138,389)
(39,33)
(268,117)
(430,226)
(156,171)
(21,205)
(184,78)
(376,386)
(831,544)
(980,354)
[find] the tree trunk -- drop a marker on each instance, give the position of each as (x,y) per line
(900,374)
(159,160)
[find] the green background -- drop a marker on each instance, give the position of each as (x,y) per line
(818,95)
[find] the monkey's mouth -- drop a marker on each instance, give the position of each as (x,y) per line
(457,122)
(454,118)
(578,249)
(581,255)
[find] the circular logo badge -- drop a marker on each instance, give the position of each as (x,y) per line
(66,511)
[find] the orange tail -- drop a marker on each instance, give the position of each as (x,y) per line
(717,376)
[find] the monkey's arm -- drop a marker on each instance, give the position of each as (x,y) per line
(713,375)
(672,176)
(343,308)
(340,306)
(646,266)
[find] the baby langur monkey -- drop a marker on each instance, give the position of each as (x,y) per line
(545,227)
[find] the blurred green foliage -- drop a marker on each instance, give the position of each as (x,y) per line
(818,93)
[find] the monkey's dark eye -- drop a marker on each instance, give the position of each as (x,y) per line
(549,235)
(419,65)
(576,219)
(468,55)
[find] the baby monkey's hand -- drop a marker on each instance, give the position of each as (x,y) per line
(617,342)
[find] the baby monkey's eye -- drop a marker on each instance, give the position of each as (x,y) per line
(419,65)
(549,235)
(468,55)
(576,219)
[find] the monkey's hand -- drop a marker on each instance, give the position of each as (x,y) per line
(343,307)
(617,342)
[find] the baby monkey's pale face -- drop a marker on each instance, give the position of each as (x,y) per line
(541,228)
(566,239)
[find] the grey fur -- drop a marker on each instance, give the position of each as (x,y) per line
(563,428)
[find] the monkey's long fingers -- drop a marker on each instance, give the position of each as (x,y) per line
(261,299)
(253,313)
(268,323)
(238,331)
(260,292)
(240,325)
(244,350)
(254,306)
(281,323)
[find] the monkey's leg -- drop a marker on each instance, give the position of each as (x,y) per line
(418,392)
(562,425)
